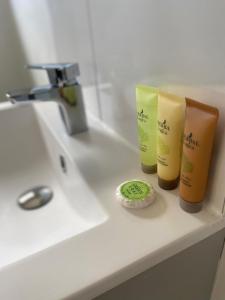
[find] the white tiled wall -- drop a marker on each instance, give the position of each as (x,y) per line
(155,42)
(56,31)
(11,53)
(52,30)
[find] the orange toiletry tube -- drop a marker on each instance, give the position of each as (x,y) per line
(199,131)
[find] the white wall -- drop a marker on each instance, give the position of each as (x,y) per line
(57,31)
(35,30)
(12,57)
(155,42)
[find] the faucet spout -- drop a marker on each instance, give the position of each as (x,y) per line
(30,95)
(67,93)
(19,96)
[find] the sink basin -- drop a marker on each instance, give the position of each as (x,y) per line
(82,238)
(31,155)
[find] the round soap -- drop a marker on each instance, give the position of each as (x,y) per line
(135,193)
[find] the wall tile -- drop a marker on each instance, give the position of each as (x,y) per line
(12,55)
(154,42)
(57,31)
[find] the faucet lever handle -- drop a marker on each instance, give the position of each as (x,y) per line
(65,73)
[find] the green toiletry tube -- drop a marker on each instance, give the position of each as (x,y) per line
(146,102)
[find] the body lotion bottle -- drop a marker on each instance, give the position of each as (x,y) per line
(199,132)
(171,112)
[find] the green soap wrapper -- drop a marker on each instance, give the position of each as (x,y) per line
(135,193)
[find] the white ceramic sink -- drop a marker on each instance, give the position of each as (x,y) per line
(83,242)
(30,156)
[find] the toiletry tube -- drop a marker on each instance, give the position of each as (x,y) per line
(171,112)
(199,131)
(146,102)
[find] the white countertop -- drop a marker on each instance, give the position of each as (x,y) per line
(126,244)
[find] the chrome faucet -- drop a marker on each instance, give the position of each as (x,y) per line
(64,89)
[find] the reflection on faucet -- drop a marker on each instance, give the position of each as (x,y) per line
(63,89)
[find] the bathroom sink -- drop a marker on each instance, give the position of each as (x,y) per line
(82,238)
(30,156)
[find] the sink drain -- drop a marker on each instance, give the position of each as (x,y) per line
(35,197)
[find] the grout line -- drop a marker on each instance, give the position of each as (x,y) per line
(221,252)
(223,206)
(93,53)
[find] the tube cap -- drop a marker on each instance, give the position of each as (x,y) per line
(168,184)
(149,169)
(190,207)
(135,193)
